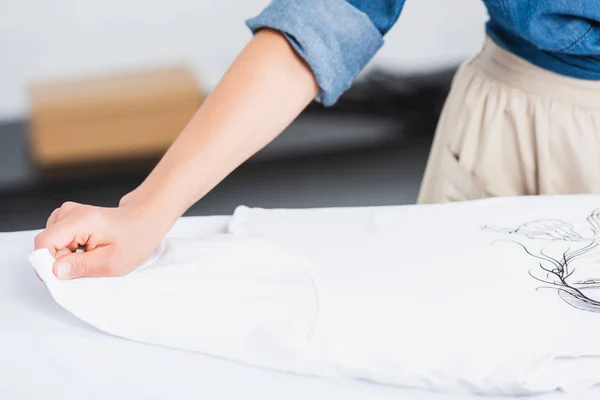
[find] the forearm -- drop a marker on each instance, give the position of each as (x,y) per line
(263,91)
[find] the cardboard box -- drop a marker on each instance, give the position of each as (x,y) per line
(110,118)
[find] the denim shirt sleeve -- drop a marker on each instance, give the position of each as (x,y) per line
(336,38)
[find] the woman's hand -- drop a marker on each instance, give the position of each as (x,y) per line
(261,93)
(115,240)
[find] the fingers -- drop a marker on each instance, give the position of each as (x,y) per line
(56,216)
(61,212)
(53,217)
(72,247)
(69,232)
(92,263)
(62,252)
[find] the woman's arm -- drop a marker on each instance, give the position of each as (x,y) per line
(264,90)
(260,95)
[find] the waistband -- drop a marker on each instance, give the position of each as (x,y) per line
(513,70)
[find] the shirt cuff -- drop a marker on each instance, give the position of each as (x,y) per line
(334,38)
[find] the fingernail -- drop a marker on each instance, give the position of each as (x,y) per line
(63,271)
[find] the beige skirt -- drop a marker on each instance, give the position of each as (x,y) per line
(510,128)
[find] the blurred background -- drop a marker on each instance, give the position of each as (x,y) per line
(92,93)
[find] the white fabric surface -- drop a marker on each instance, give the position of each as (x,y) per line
(238,298)
(45,352)
(410,296)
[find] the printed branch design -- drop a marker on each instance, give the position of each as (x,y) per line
(553,272)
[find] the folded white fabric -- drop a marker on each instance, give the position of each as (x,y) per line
(499,296)
(238,298)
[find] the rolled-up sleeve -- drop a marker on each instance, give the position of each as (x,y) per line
(335,38)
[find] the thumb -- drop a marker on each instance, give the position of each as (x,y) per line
(83,264)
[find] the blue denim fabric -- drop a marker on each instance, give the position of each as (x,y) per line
(337,38)
(332,36)
(562,36)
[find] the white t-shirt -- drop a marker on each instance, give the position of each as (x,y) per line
(498,296)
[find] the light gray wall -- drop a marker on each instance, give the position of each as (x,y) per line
(47,39)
